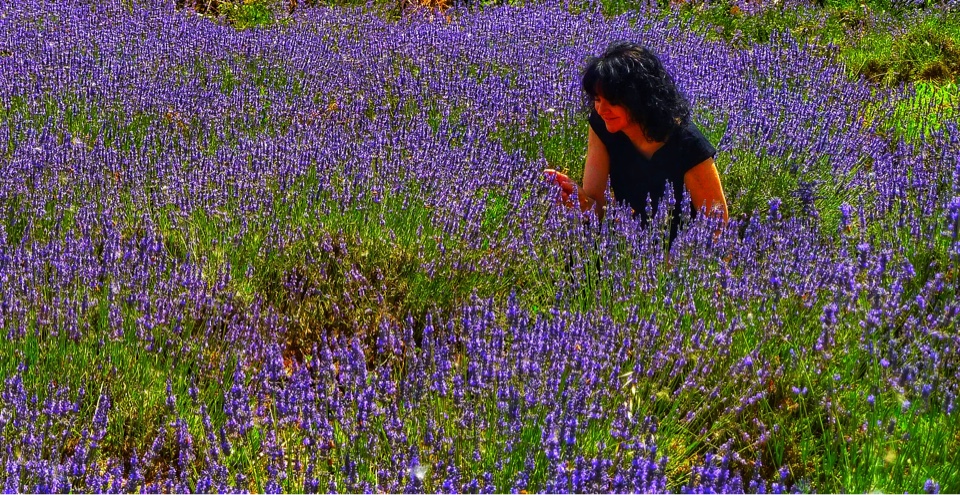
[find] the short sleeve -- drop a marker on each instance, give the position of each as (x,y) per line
(600,129)
(695,148)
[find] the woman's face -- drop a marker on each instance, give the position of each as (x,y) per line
(616,117)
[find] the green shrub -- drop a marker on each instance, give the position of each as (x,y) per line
(927,51)
(244,14)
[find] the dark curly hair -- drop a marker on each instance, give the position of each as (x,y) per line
(631,75)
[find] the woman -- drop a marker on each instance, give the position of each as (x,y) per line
(642,140)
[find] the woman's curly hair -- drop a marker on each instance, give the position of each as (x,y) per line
(631,75)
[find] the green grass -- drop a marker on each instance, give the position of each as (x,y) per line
(929,50)
(122,368)
(883,44)
(246,14)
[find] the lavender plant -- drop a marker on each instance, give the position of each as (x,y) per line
(285,259)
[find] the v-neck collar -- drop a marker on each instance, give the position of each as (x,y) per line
(637,151)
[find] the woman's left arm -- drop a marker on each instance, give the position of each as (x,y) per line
(706,192)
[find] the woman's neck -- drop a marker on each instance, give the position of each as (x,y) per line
(645,146)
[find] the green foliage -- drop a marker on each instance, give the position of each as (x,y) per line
(245,14)
(927,50)
(883,42)
(122,366)
(725,20)
(921,114)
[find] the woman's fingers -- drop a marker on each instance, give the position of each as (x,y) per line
(567,186)
(555,175)
(565,183)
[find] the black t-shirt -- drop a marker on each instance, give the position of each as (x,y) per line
(633,177)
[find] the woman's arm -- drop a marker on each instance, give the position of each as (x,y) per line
(706,192)
(595,175)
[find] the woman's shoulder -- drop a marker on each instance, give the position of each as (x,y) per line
(688,132)
(600,129)
(691,145)
(691,135)
(596,123)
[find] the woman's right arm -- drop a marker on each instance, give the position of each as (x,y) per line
(596,173)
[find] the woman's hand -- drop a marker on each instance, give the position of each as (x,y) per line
(567,189)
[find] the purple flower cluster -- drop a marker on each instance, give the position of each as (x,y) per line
(155,167)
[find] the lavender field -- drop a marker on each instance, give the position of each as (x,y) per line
(322,256)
